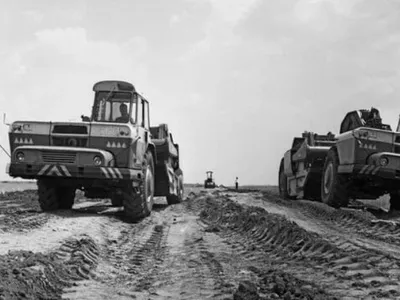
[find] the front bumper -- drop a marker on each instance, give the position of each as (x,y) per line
(374,168)
(33,171)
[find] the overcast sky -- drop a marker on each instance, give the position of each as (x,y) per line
(235,80)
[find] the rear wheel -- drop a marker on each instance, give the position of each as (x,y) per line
(138,202)
(283,190)
(175,199)
(334,185)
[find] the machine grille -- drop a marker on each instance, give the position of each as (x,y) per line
(70,129)
(59,157)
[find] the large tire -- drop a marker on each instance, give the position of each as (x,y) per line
(138,203)
(116,199)
(47,195)
(394,201)
(282,181)
(52,197)
(175,199)
(66,197)
(312,189)
(333,185)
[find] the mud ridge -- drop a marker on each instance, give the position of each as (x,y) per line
(28,275)
(272,239)
(361,222)
(276,284)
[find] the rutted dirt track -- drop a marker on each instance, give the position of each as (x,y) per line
(217,244)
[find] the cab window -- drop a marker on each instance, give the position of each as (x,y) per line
(114,107)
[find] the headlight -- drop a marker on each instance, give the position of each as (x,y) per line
(20,156)
(383,161)
(97,160)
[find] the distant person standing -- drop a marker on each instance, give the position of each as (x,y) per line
(237,183)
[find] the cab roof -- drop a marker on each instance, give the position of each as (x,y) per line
(116,85)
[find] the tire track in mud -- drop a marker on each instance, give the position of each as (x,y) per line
(149,257)
(142,248)
(130,257)
(190,269)
(263,237)
(202,266)
(348,229)
(25,274)
(362,222)
(19,211)
(353,229)
(22,221)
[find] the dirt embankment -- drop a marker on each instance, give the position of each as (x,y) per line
(217,244)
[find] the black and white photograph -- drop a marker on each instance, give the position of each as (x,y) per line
(199,149)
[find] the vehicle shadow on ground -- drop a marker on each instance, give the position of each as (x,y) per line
(103,209)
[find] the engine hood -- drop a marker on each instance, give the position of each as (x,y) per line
(74,134)
(100,129)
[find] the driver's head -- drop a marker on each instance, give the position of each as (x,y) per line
(123,108)
(375,114)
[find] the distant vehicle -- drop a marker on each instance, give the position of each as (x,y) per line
(209,182)
(112,154)
(362,162)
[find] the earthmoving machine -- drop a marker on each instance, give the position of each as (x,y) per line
(114,154)
(209,183)
(361,162)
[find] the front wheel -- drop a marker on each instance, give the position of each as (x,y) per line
(138,202)
(282,181)
(333,185)
(53,197)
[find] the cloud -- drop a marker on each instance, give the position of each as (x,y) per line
(232,11)
(217,28)
(13,66)
(175,19)
(35,15)
(75,43)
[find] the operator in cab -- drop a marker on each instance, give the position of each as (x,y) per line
(374,120)
(124,118)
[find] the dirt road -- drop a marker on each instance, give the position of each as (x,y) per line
(217,244)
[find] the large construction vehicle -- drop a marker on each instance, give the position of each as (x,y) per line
(361,162)
(209,183)
(114,154)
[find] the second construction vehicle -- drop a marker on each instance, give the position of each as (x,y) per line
(209,183)
(114,154)
(361,162)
